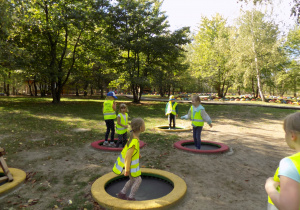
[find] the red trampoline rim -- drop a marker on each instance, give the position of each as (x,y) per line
(113,149)
(223,147)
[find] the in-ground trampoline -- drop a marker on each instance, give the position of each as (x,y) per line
(207,147)
(176,129)
(159,190)
(99,145)
(19,177)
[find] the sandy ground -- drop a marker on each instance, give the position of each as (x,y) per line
(233,180)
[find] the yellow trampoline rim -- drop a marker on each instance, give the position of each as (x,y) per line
(171,130)
(110,202)
(19,177)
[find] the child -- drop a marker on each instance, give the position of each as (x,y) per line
(122,125)
(283,189)
(171,111)
(198,115)
(109,112)
(129,158)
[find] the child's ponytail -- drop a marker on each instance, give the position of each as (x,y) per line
(135,124)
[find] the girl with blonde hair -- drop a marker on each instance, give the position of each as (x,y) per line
(283,188)
(129,159)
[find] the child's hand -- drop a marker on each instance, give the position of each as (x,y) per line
(126,126)
(126,173)
(271,184)
(210,125)
(140,156)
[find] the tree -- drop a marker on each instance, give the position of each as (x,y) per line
(210,54)
(259,47)
(60,27)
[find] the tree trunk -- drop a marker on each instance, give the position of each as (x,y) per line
(259,79)
(35,88)
(29,86)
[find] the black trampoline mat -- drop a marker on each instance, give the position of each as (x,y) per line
(203,146)
(150,188)
(167,128)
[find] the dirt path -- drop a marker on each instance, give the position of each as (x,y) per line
(234,180)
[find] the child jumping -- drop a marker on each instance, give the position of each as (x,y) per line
(109,112)
(198,115)
(283,189)
(122,125)
(171,111)
(129,159)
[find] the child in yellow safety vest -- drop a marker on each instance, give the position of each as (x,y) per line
(129,159)
(198,116)
(109,113)
(171,111)
(122,125)
(283,188)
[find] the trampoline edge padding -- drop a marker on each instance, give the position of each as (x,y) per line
(97,145)
(223,147)
(104,199)
(19,177)
(160,128)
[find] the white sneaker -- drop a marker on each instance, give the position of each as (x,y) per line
(105,143)
(112,144)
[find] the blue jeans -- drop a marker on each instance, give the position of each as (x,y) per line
(197,136)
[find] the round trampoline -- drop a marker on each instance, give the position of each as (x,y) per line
(207,147)
(19,177)
(176,129)
(171,189)
(99,145)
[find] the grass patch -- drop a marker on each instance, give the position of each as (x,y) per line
(35,124)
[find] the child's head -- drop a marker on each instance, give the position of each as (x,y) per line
(196,100)
(137,125)
(111,95)
(291,127)
(172,98)
(123,108)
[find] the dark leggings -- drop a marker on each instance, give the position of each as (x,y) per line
(110,126)
(197,136)
(122,139)
(172,118)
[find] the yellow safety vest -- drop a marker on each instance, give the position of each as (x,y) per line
(296,160)
(196,117)
(171,109)
(134,166)
(121,129)
(108,111)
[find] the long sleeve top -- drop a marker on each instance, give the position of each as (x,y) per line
(204,115)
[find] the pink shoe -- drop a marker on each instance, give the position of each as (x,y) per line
(131,199)
(122,196)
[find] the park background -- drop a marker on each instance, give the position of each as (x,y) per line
(58,59)
(60,48)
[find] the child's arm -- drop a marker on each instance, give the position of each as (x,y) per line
(206,117)
(288,198)
(128,157)
(187,116)
(114,106)
(119,122)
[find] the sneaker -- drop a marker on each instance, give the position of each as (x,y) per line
(131,199)
(122,196)
(105,143)
(112,144)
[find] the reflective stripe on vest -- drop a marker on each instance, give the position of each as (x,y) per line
(196,117)
(296,161)
(134,165)
(108,111)
(120,129)
(172,109)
